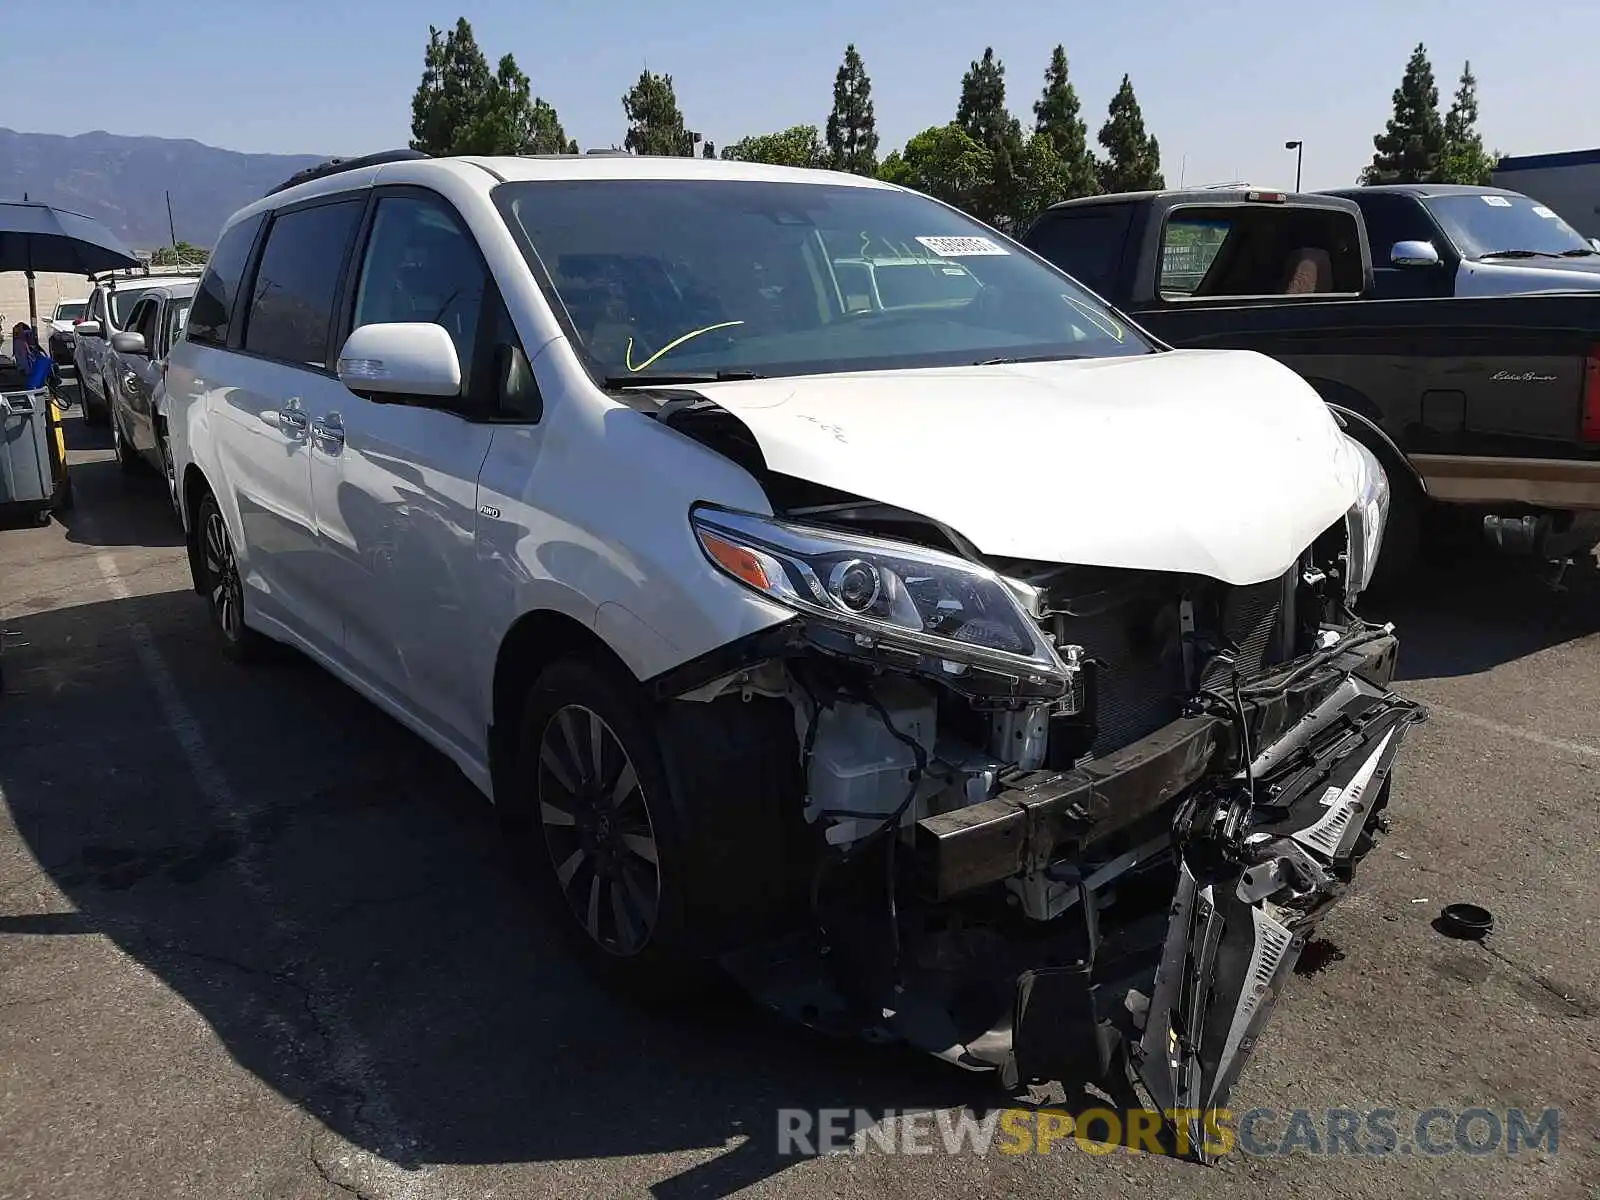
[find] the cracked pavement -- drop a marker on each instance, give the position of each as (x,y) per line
(258,941)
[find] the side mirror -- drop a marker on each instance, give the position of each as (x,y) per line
(399,359)
(87,329)
(1595,244)
(1414,254)
(129,343)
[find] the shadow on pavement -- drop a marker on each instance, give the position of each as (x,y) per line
(329,895)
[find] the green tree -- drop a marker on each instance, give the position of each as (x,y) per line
(1057,115)
(982,115)
(655,124)
(1411,149)
(852,130)
(798,146)
(183,254)
(461,107)
(942,162)
(708,150)
(1043,178)
(1465,160)
(1133,157)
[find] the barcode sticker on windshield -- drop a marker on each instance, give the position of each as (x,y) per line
(1496,201)
(1540,210)
(962,247)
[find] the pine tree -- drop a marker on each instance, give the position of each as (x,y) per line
(852,130)
(1057,116)
(655,124)
(1133,158)
(461,107)
(1411,149)
(982,115)
(1465,160)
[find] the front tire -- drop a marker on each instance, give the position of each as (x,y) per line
(127,456)
(95,411)
(680,840)
(223,586)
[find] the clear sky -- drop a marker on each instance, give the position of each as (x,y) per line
(1223,84)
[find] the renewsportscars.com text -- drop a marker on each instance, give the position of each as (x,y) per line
(1259,1132)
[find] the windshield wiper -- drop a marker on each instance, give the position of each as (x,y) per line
(1031,358)
(1578,252)
(1519,254)
(671,378)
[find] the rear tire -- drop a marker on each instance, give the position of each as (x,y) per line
(224,587)
(127,456)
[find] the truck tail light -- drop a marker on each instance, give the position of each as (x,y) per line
(1590,429)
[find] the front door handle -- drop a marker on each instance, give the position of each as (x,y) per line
(328,432)
(292,418)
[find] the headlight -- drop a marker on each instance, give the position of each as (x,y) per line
(1365,521)
(893,596)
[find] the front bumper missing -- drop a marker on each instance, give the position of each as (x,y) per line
(1254,859)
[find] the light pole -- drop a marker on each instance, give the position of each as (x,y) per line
(1299,149)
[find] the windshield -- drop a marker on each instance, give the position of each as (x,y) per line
(70,312)
(122,304)
(1480,225)
(753,277)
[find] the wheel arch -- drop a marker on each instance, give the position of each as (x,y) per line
(195,485)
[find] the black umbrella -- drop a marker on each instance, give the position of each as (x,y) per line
(36,237)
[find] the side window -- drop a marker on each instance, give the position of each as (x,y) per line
(1087,245)
(1390,219)
(211,312)
(146,319)
(177,318)
(291,301)
(1188,248)
(421,265)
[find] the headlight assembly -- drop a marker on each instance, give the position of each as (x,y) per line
(1365,521)
(953,616)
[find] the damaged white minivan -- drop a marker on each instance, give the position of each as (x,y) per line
(947,661)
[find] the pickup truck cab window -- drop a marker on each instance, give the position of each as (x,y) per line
(1259,250)
(1092,241)
(292,297)
(710,276)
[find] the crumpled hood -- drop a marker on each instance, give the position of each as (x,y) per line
(1210,462)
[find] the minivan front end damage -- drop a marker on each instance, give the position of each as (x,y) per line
(1060,823)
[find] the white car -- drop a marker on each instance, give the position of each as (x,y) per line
(895,659)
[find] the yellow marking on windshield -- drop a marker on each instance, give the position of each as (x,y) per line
(1100,321)
(627,357)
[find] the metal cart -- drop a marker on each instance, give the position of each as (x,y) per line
(33,467)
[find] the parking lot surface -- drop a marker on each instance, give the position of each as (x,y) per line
(256,940)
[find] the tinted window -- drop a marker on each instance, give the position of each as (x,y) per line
(68,312)
(122,305)
(1188,248)
(291,301)
(734,275)
(177,317)
(421,265)
(1087,246)
(1390,219)
(145,316)
(210,314)
(1487,225)
(1259,250)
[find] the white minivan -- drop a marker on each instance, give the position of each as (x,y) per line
(897,658)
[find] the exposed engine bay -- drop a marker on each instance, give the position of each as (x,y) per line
(1063,822)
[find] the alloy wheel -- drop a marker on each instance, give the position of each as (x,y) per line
(222,577)
(597,828)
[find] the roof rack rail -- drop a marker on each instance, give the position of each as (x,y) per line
(610,152)
(335,165)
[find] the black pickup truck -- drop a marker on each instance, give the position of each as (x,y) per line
(1485,411)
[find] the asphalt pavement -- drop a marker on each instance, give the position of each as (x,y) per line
(256,940)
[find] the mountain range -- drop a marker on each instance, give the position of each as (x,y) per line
(123,181)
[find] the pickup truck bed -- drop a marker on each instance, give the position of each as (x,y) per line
(1492,403)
